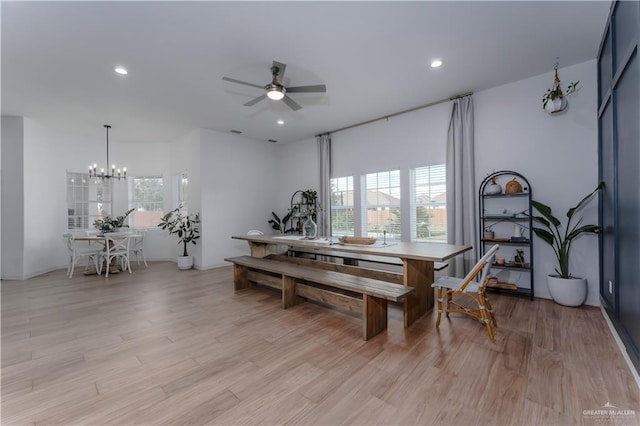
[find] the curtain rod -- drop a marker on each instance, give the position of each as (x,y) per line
(386,117)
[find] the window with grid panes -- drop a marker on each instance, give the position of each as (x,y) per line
(181,190)
(146,197)
(381,204)
(342,206)
(429,204)
(88,199)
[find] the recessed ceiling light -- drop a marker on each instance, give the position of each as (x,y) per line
(436,63)
(121,70)
(280,122)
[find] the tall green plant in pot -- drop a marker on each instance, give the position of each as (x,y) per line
(564,287)
(186,227)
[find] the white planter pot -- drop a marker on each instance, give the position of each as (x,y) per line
(557,105)
(185,262)
(568,292)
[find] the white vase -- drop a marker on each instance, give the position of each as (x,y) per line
(555,106)
(185,262)
(567,291)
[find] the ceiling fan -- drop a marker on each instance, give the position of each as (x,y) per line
(276,90)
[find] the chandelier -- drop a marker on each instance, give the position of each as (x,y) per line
(114,173)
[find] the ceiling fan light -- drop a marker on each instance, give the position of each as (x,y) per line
(275,92)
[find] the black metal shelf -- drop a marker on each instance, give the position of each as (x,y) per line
(523,217)
(512,267)
(507,218)
(520,291)
(518,194)
(513,243)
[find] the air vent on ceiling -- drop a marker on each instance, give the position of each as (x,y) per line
(237,132)
(273,141)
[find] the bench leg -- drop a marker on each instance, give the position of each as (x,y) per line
(289,295)
(240,280)
(374,316)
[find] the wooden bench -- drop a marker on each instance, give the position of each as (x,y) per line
(354,258)
(298,283)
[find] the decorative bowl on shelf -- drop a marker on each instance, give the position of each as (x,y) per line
(357,240)
(493,188)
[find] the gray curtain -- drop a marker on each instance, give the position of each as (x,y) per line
(324,195)
(461,187)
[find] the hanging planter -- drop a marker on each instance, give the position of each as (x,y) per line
(555,101)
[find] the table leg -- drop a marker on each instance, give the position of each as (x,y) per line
(418,274)
(264,250)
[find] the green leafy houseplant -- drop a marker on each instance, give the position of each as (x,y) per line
(556,92)
(558,240)
(280,224)
(112,224)
(184,226)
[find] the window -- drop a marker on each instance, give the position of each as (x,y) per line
(87,200)
(180,189)
(381,202)
(429,207)
(146,197)
(342,206)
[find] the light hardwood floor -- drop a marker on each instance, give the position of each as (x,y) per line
(167,347)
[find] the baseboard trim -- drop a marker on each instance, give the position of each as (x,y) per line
(621,346)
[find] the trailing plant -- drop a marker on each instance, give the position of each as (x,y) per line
(111,224)
(184,226)
(554,236)
(556,91)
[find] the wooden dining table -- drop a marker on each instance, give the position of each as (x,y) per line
(417,261)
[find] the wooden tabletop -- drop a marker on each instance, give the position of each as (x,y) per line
(436,252)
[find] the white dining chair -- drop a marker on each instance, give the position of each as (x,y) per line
(137,245)
(255,232)
(79,250)
(117,246)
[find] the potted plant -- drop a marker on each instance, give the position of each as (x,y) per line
(281,224)
(554,100)
(565,289)
(111,224)
(186,228)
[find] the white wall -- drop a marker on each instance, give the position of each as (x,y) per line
(12,196)
(558,155)
(299,170)
(239,179)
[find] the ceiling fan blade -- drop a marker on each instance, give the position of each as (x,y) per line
(292,104)
(255,100)
(319,88)
(233,80)
(281,67)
